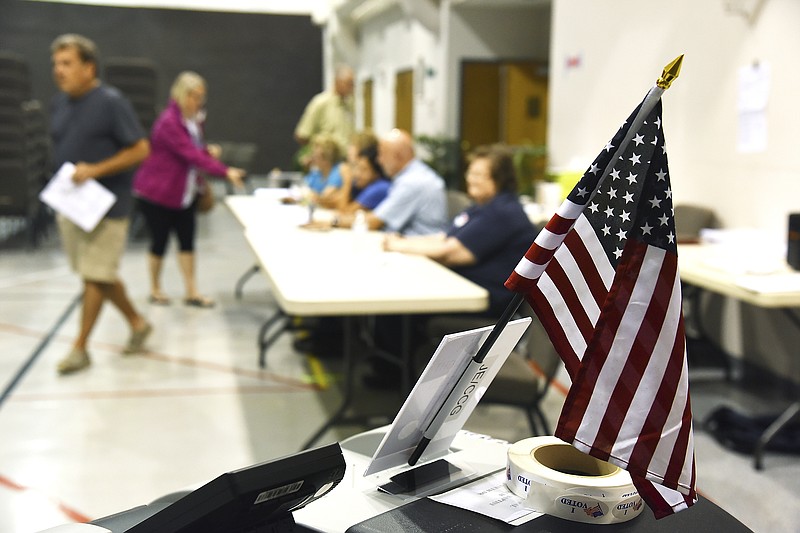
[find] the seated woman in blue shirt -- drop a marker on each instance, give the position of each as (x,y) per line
(486,241)
(325,178)
(369,180)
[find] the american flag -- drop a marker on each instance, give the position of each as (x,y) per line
(603,279)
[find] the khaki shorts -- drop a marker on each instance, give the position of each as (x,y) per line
(95,256)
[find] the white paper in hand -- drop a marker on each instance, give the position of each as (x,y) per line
(84,204)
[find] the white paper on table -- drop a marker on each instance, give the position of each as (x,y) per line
(275,194)
(771,284)
(84,204)
(490,497)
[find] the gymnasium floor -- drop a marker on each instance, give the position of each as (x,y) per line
(130,429)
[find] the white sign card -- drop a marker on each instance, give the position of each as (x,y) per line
(444,373)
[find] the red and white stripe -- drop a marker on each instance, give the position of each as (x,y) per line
(571,281)
(625,353)
(630,400)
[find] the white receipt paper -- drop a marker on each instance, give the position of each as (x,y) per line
(490,497)
(84,204)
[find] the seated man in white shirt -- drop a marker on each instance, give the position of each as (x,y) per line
(416,203)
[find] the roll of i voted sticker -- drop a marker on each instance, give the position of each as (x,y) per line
(556,479)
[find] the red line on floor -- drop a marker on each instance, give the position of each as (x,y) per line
(72,514)
(560,387)
(149,393)
(263,375)
(5,482)
(68,511)
(22,331)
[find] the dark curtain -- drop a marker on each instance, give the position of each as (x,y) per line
(261,69)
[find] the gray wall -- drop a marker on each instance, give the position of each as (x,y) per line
(261,69)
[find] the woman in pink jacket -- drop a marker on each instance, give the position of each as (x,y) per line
(168,183)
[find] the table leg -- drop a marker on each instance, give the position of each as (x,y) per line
(349,368)
(784,419)
(694,295)
(264,341)
(773,429)
(237,291)
(350,362)
(406,355)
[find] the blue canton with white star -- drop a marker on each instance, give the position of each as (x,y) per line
(635,198)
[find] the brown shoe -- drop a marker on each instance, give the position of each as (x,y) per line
(76,360)
(200,301)
(136,342)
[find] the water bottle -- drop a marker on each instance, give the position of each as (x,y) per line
(359,230)
(360,222)
(312,205)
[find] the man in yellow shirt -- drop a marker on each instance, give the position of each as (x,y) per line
(330,112)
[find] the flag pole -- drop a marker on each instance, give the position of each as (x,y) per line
(498,328)
(668,75)
(601,295)
(430,432)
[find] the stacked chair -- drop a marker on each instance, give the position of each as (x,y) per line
(239,155)
(24,150)
(137,79)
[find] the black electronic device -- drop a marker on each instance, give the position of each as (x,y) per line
(420,477)
(793,242)
(258,498)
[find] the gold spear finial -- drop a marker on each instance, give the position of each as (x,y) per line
(670,73)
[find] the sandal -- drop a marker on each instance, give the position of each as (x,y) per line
(200,301)
(159,300)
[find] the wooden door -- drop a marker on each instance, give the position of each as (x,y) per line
(524,103)
(404,100)
(480,104)
(503,101)
(366,98)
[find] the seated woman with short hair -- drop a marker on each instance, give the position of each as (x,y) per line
(487,240)
(325,178)
(484,244)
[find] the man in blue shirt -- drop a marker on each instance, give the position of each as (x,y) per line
(94,127)
(416,203)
